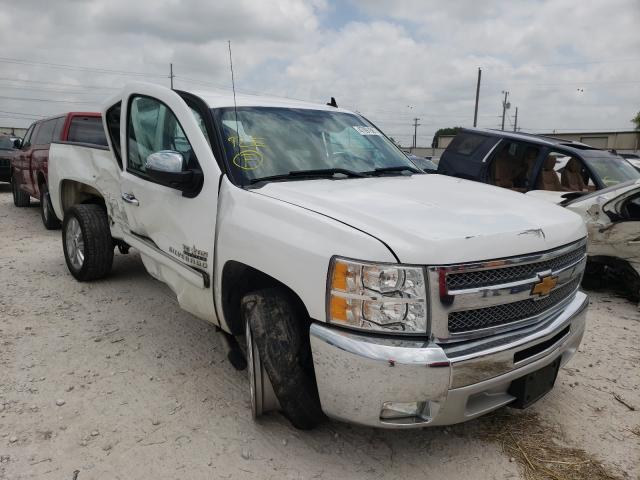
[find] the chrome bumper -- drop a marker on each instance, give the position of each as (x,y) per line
(358,375)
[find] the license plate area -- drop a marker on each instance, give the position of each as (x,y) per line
(533,386)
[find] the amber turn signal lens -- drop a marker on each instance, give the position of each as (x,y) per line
(339,280)
(338,308)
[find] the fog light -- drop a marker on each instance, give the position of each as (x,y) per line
(399,412)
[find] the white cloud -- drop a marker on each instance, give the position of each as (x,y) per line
(392,62)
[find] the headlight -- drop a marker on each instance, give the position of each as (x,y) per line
(373,296)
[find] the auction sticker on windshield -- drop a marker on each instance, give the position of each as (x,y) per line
(366,130)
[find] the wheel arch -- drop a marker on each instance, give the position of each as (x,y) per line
(238,279)
(73,193)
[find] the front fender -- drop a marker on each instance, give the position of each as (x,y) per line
(289,243)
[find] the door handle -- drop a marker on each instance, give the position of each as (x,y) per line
(130,198)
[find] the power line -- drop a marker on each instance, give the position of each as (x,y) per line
(45,100)
(58,83)
(25,114)
(610,60)
(71,92)
(244,92)
(78,68)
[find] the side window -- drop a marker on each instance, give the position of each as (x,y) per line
(87,130)
(57,131)
(466,143)
(513,164)
(26,142)
(200,121)
(45,133)
(573,175)
(152,127)
(113,126)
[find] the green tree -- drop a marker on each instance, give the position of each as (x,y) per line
(444,131)
(636,120)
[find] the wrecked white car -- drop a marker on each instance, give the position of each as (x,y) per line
(612,217)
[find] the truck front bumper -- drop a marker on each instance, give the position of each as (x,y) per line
(404,383)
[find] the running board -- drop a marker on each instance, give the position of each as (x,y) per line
(194,276)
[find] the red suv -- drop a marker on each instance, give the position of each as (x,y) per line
(29,163)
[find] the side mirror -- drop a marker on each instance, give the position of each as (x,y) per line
(17,144)
(168,168)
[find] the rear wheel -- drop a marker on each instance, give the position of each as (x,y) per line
(87,242)
(279,357)
(49,219)
(20,198)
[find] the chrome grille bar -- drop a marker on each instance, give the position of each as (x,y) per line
(500,295)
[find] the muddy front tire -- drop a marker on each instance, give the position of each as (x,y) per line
(279,328)
(87,242)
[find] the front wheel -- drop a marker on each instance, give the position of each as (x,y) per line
(87,242)
(279,357)
(20,197)
(49,219)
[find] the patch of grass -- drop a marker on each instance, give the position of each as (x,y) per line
(536,447)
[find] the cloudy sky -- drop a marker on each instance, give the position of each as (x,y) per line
(568,64)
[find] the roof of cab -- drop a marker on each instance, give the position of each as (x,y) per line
(570,146)
(223,98)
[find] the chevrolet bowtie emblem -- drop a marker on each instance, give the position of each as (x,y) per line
(544,286)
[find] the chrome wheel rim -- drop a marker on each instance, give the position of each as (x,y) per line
(263,398)
(74,243)
(252,372)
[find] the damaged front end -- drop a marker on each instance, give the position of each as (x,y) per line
(612,217)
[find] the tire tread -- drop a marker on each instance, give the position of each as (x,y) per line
(98,244)
(278,325)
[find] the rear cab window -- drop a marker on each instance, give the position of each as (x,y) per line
(86,129)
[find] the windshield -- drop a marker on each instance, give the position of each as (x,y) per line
(612,170)
(265,142)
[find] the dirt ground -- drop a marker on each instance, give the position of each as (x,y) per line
(111,380)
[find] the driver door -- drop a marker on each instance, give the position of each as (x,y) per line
(174,233)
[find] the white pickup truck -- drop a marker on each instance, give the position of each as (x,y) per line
(365,290)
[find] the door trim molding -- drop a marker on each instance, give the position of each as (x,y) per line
(192,275)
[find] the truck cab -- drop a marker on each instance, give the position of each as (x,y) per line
(361,288)
(29,165)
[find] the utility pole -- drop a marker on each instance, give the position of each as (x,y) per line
(515,121)
(475,113)
(415,132)
(171,75)
(504,107)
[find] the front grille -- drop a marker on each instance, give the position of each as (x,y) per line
(485,278)
(479,318)
(4,162)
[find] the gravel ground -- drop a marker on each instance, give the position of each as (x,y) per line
(111,379)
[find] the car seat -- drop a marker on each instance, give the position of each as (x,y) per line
(548,177)
(572,176)
(504,172)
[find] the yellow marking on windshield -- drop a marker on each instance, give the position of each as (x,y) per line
(249,156)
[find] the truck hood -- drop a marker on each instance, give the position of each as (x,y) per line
(435,219)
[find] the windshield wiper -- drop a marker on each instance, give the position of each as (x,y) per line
(396,169)
(304,174)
